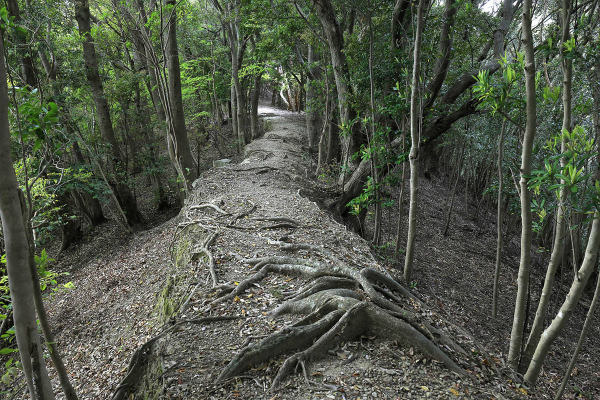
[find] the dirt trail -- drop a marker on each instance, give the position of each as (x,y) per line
(248,210)
(123,297)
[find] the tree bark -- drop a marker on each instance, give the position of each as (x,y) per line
(415,125)
(124,195)
(400,200)
(182,151)
(234,119)
(441,124)
(499,220)
(312,101)
(565,311)
(584,331)
(27,65)
(254,126)
(353,137)
(17,260)
(518,327)
(559,230)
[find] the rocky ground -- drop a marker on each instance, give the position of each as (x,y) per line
(129,289)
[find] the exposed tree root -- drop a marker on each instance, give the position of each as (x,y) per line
(203,249)
(209,205)
(341,303)
(139,359)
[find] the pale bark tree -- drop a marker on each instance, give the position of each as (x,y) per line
(353,138)
(564,313)
(230,19)
(415,135)
(516,337)
(20,279)
(254,100)
(560,225)
(594,78)
(499,219)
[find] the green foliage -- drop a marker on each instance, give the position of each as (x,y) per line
(574,175)
(48,282)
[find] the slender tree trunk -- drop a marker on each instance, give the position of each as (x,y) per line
(565,311)
(126,198)
(453,194)
(324,141)
(559,231)
(234,119)
(374,157)
(254,127)
(27,65)
(400,200)
(20,279)
(499,220)
(414,149)
(50,341)
(312,102)
(518,327)
(183,150)
(584,331)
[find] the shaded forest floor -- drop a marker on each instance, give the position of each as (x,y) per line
(112,310)
(455,275)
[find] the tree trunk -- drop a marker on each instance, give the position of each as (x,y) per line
(234,119)
(324,149)
(499,221)
(584,331)
(354,139)
(453,194)
(312,101)
(124,195)
(518,327)
(27,65)
(565,311)
(17,260)
(254,126)
(89,205)
(559,230)
(400,200)
(183,151)
(50,341)
(414,149)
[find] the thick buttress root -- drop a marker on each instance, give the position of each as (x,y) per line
(341,304)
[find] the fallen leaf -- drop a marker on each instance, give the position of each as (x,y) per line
(523,390)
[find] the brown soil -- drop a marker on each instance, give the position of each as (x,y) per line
(454,274)
(118,280)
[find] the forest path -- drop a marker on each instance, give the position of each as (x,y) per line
(122,298)
(248,210)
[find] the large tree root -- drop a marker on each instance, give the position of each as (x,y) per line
(341,303)
(140,357)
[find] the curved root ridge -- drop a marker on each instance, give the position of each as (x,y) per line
(341,303)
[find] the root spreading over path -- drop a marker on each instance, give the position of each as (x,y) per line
(284,287)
